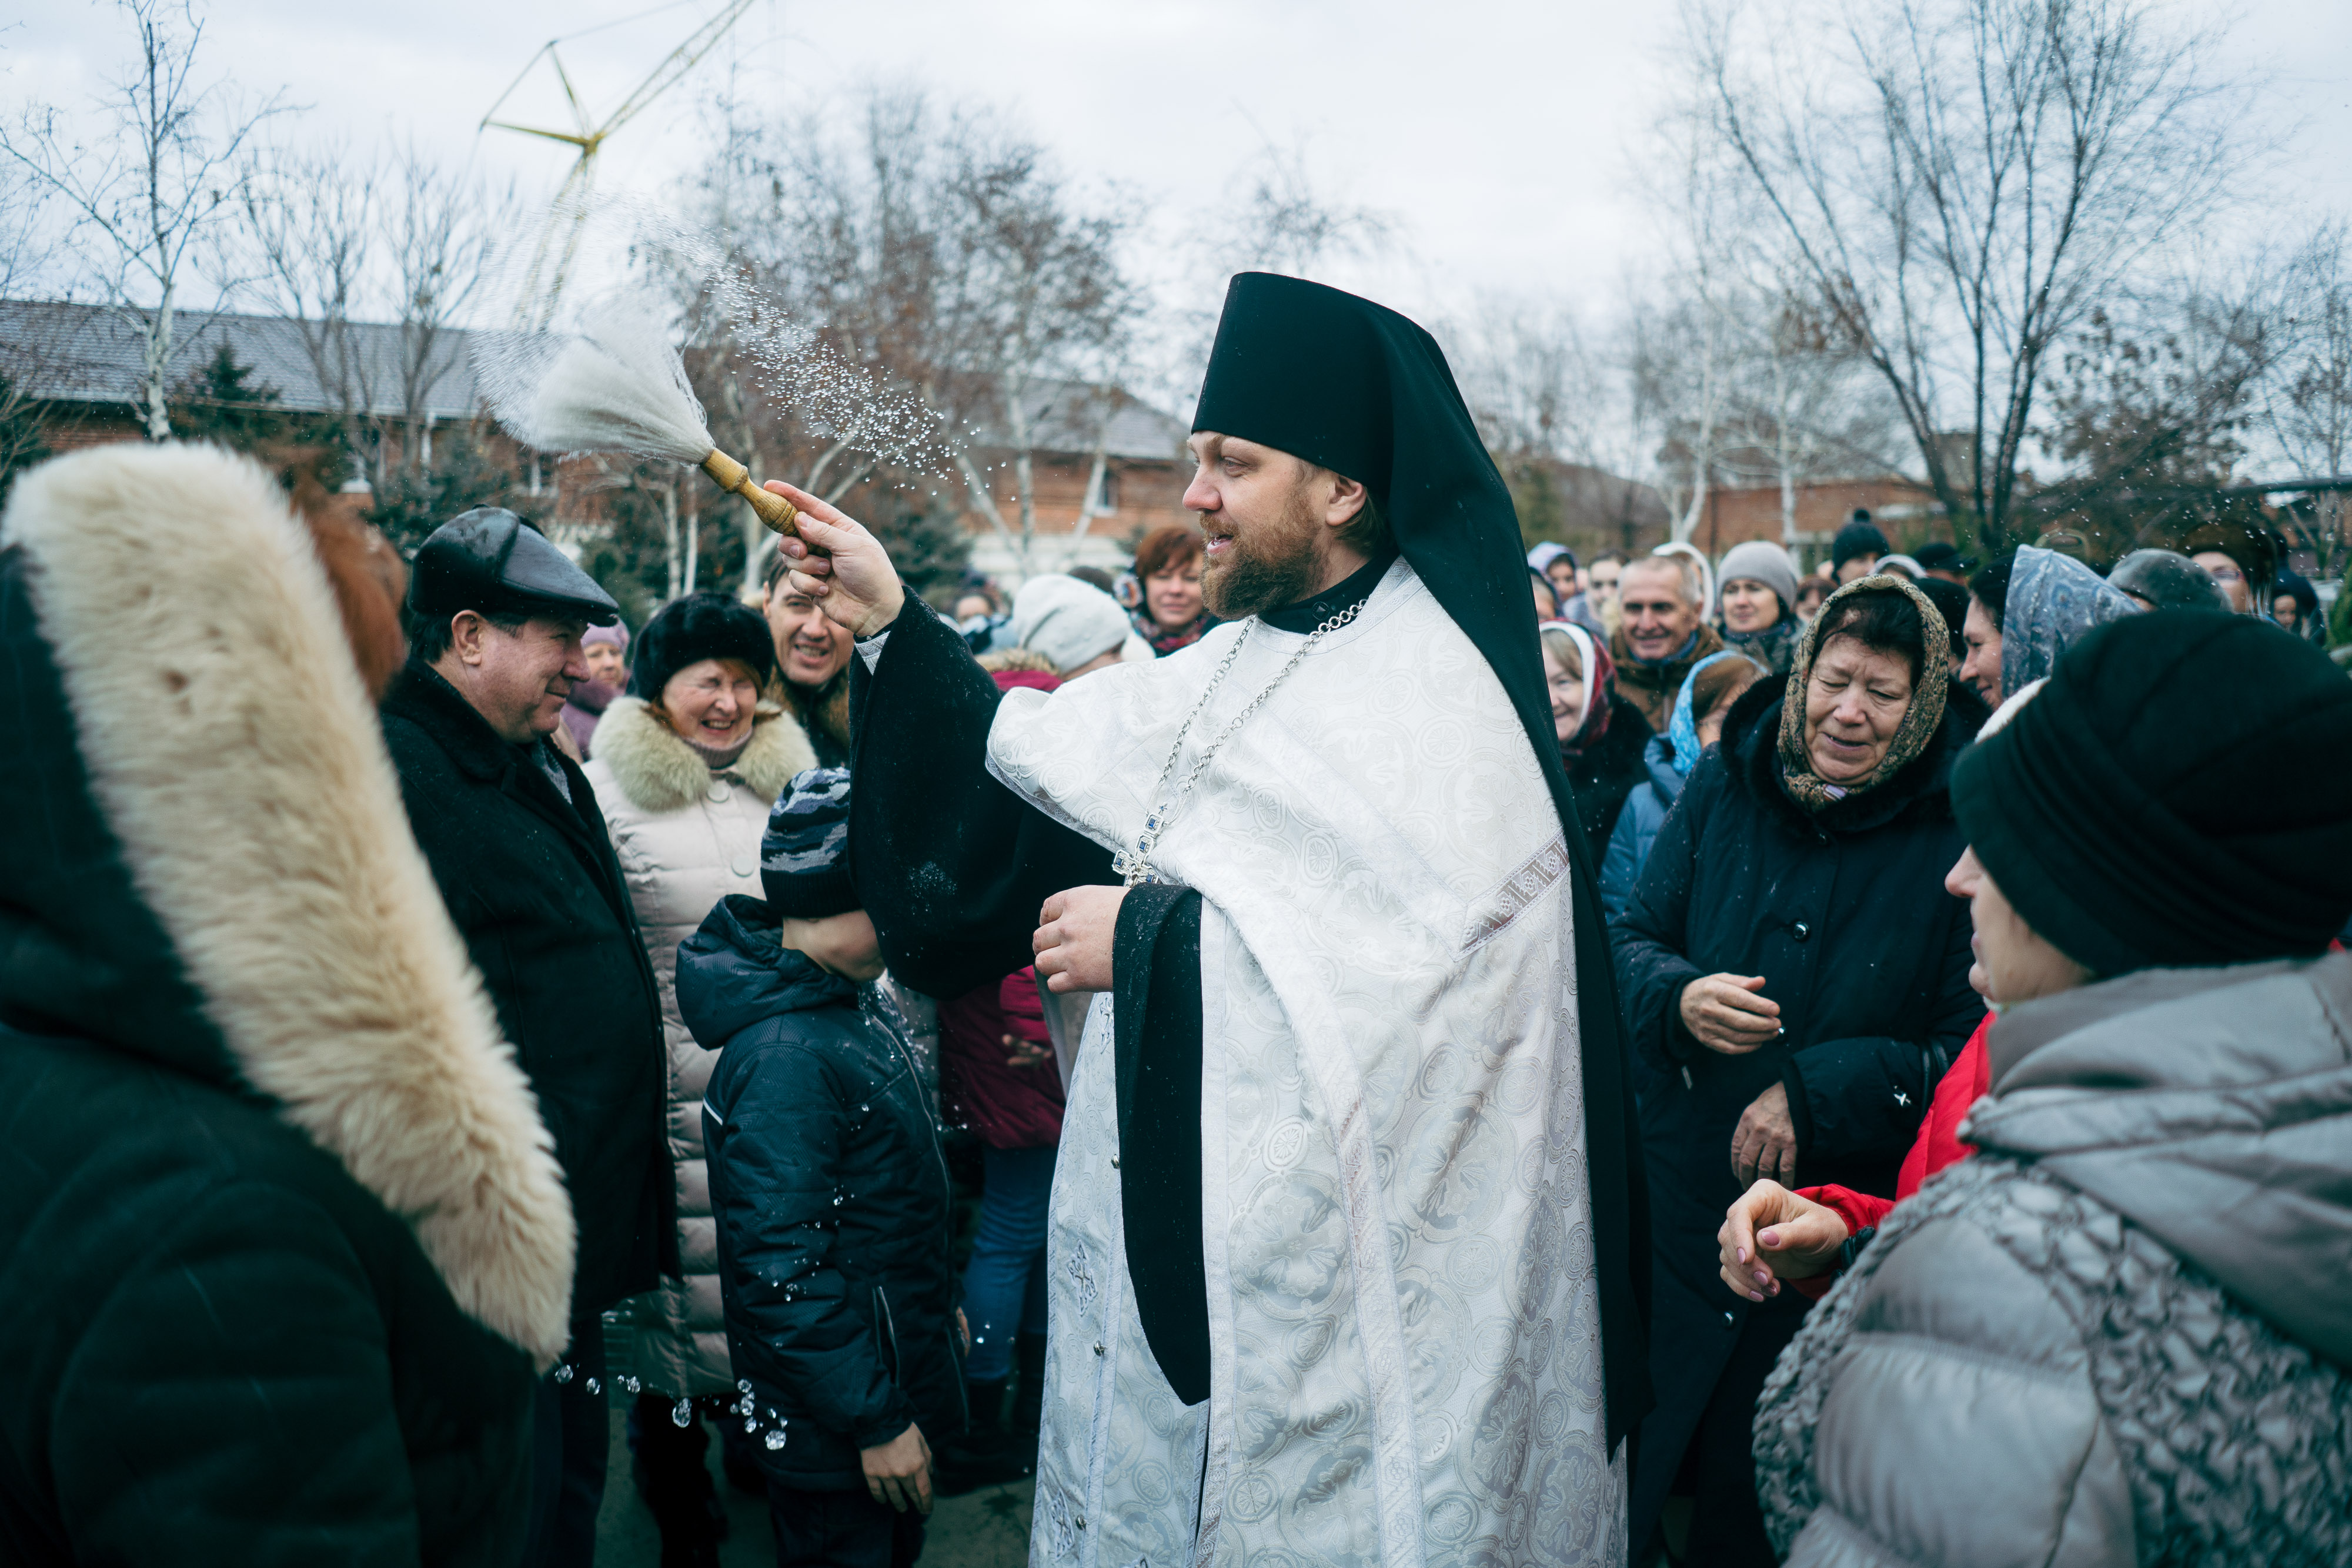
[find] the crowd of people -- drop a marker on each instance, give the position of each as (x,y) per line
(1921,1289)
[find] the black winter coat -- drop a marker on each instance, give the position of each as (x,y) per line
(831,1193)
(1845,917)
(1603,775)
(533,886)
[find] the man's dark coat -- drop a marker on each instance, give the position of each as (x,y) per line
(533,886)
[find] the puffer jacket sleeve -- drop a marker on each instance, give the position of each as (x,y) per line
(232,1400)
(777,1156)
(1649,942)
(1620,865)
(1863,1098)
(1954,1422)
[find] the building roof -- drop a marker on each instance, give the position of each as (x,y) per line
(61,351)
(65,352)
(1064,415)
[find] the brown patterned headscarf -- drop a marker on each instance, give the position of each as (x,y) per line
(1920,720)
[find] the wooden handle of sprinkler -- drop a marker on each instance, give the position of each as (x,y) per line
(736,479)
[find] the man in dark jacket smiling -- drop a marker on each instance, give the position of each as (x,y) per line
(512,832)
(1795,981)
(831,1192)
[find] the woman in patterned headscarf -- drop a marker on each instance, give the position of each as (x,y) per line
(1795,981)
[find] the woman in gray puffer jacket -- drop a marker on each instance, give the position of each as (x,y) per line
(2119,1332)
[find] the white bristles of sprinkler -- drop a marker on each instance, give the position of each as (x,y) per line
(617,386)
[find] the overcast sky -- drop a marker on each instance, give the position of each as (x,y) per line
(1502,134)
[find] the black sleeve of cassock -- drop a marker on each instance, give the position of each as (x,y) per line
(1156,1017)
(951,865)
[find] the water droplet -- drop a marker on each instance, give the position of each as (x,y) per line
(563,1373)
(742,1385)
(749,1425)
(862,1109)
(682,1413)
(631,1386)
(775,1438)
(836,1200)
(595,1386)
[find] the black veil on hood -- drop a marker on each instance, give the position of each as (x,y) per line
(1356,388)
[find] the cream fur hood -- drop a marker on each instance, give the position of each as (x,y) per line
(231,749)
(659,772)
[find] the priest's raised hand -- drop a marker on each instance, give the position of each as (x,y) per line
(836,561)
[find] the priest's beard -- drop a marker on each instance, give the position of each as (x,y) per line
(1269,564)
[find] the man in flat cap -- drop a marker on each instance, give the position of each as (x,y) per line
(516,842)
(1347,1235)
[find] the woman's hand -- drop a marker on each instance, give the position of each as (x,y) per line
(1727,1013)
(1025,1052)
(1771,1234)
(1074,938)
(840,565)
(1765,1143)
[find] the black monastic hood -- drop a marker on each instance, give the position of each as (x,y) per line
(1354,387)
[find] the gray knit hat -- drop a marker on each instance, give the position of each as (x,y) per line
(803,864)
(1761,560)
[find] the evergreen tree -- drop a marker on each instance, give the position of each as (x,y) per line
(221,402)
(21,444)
(464,475)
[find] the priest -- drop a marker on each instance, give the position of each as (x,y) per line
(1346,1247)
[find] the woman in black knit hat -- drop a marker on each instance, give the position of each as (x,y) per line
(2116,1332)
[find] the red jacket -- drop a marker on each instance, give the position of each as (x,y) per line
(1007,1107)
(1938,1146)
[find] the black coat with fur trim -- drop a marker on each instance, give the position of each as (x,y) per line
(534,887)
(1845,917)
(262,1139)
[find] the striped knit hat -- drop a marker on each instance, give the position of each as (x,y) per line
(804,865)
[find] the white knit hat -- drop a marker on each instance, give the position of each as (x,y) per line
(1068,621)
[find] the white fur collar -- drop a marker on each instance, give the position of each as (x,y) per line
(659,772)
(233,752)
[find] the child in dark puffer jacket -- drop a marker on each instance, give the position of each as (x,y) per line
(831,1195)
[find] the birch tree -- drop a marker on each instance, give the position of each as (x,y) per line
(146,194)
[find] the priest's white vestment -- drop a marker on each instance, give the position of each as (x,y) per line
(1404,1323)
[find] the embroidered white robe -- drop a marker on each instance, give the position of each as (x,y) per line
(1404,1328)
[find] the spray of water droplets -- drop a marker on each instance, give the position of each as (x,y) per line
(596,367)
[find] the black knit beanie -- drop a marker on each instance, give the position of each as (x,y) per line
(1860,536)
(803,858)
(2180,794)
(698,627)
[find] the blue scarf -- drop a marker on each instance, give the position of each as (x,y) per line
(1682,729)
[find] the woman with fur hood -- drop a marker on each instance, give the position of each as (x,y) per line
(2112,1330)
(687,765)
(282,1239)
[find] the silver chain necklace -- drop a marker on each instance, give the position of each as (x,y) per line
(1136,866)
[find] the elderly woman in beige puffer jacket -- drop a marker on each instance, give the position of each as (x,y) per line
(687,767)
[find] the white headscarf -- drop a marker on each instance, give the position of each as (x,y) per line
(1072,622)
(1586,656)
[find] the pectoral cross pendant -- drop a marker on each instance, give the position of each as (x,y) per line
(1134,866)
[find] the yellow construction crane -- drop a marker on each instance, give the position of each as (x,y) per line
(569,212)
